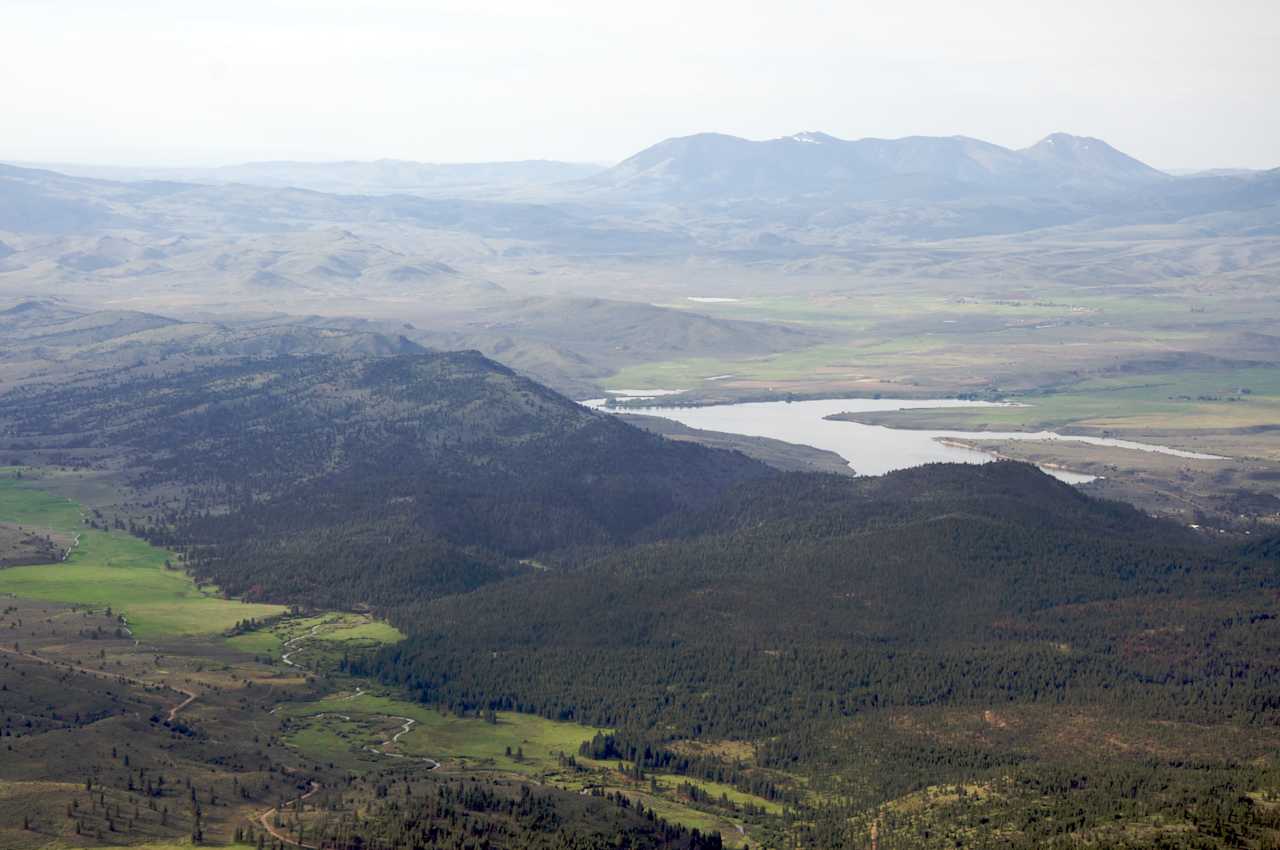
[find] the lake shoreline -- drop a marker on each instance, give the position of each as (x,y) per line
(869,447)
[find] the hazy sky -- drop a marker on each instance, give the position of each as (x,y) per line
(1178,83)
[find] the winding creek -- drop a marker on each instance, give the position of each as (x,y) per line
(295,645)
(869,449)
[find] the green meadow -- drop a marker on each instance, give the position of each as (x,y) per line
(692,818)
(22,503)
(113,569)
(444,737)
(328,633)
(471,743)
(1154,401)
(717,790)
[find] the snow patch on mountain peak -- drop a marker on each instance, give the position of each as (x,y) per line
(809,137)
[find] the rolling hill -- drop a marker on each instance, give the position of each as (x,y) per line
(47,341)
(449,465)
(378,177)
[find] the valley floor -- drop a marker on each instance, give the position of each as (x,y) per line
(1180,362)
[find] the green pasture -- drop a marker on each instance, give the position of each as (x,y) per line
(20,502)
(952,336)
(329,632)
(439,736)
(113,569)
(1162,401)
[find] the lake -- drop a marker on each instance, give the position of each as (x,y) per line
(869,449)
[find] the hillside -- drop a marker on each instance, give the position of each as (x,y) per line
(43,341)
(432,471)
(926,563)
(567,343)
(877,643)
(19,545)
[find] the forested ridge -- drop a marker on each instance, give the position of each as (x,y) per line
(331,481)
(848,631)
(950,591)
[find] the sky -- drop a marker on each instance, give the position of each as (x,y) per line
(1179,84)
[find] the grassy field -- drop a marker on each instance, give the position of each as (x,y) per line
(669,781)
(331,633)
(467,741)
(370,631)
(690,817)
(263,642)
(21,502)
(956,336)
(473,744)
(1145,402)
(913,363)
(113,569)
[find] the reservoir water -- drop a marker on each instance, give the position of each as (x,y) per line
(869,449)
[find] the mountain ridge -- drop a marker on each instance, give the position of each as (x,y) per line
(383,176)
(723,166)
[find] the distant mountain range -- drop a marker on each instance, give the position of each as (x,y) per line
(461,233)
(715,166)
(377,177)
